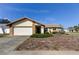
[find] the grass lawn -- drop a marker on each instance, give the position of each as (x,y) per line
(57,42)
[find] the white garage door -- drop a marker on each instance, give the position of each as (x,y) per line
(22,31)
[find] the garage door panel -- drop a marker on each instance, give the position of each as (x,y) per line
(22,31)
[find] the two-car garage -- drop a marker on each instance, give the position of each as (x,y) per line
(23,31)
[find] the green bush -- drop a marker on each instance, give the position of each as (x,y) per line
(66,33)
(47,33)
(41,35)
(54,32)
(61,32)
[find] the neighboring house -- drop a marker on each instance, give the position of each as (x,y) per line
(25,26)
(66,30)
(53,28)
(73,29)
(3,28)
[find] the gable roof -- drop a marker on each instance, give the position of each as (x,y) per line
(21,19)
(53,25)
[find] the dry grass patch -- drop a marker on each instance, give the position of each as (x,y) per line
(58,43)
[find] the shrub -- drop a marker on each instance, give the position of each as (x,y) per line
(67,34)
(54,32)
(47,33)
(41,35)
(61,32)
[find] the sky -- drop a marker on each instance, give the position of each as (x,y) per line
(66,14)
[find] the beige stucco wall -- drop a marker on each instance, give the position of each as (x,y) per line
(26,23)
(58,29)
(42,29)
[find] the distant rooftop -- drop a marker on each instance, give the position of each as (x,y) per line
(53,25)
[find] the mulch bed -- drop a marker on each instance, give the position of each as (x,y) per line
(58,43)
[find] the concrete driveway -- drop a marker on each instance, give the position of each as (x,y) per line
(8,44)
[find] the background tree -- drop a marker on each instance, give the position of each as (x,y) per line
(76,28)
(3,23)
(70,29)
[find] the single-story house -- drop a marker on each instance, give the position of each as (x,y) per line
(25,26)
(72,29)
(53,28)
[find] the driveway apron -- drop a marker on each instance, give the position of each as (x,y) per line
(10,43)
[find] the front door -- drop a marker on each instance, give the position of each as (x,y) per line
(38,29)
